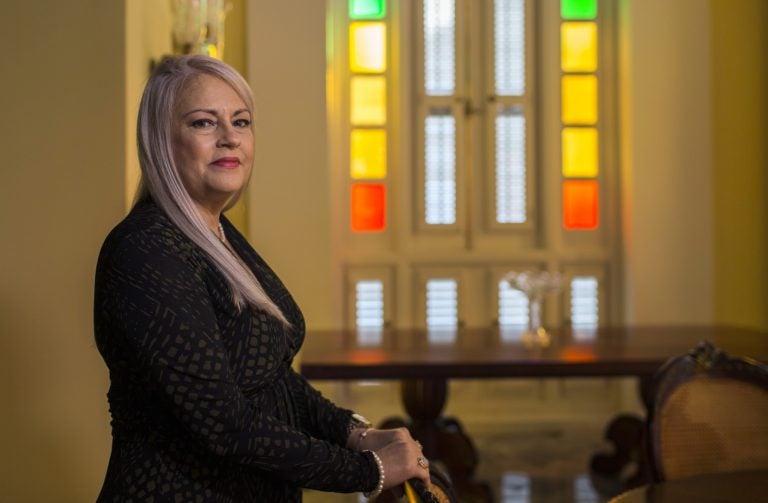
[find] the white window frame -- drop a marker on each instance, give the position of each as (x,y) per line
(475,240)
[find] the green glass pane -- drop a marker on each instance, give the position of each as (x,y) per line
(578,9)
(367,9)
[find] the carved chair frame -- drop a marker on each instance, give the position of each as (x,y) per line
(703,360)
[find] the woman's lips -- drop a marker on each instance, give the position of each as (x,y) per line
(227,162)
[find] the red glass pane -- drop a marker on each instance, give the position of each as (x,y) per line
(368,206)
(580,204)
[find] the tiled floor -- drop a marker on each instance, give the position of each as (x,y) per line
(539,465)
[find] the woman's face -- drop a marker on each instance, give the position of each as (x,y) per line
(212,141)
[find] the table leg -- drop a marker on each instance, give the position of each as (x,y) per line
(443,438)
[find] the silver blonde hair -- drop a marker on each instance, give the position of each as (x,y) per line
(160,179)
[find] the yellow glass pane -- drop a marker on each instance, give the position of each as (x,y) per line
(578,47)
(367,47)
(368,153)
(579,99)
(368,105)
(580,152)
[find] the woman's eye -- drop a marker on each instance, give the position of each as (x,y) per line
(203,123)
(244,123)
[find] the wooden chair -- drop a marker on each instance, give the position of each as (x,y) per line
(709,413)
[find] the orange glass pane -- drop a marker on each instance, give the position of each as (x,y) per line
(580,152)
(579,99)
(580,204)
(578,47)
(367,47)
(368,96)
(368,206)
(368,156)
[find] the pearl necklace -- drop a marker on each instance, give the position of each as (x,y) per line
(222,237)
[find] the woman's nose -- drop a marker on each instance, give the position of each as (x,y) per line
(228,137)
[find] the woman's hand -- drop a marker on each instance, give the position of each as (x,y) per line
(371,439)
(403,460)
(400,454)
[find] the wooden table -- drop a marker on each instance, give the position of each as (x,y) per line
(424,361)
(731,487)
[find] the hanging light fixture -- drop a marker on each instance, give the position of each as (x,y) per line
(198,26)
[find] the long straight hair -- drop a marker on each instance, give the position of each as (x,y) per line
(160,178)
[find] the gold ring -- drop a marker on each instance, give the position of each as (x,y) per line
(422,461)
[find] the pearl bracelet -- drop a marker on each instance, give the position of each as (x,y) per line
(380,486)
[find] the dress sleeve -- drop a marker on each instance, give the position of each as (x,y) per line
(158,306)
(323,418)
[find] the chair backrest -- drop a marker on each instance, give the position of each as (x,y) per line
(709,414)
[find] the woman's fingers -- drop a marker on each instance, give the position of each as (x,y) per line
(403,460)
(374,439)
(400,454)
(423,464)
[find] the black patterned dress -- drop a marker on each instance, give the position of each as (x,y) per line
(205,406)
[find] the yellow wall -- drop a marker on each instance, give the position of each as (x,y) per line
(695,161)
(740,155)
(236,56)
(666,161)
(147,38)
(289,205)
(62,189)
(71,86)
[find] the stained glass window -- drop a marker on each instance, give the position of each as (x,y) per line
(580,198)
(579,99)
(368,47)
(578,51)
(580,152)
(368,153)
(367,9)
(578,9)
(368,206)
(368,101)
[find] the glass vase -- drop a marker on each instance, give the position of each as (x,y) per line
(536,336)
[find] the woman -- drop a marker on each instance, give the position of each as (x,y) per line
(199,334)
